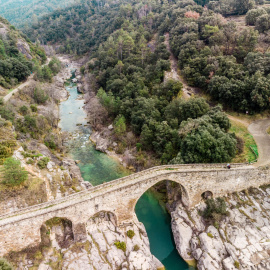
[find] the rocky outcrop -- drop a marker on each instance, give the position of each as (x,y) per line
(24,48)
(98,251)
(240,240)
(100,142)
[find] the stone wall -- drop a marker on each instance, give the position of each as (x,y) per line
(22,229)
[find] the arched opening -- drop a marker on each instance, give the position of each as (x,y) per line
(57,231)
(207,195)
(152,210)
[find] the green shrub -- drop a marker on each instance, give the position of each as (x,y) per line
(236,264)
(50,142)
(5,265)
(33,108)
(121,245)
(40,96)
(42,163)
(13,173)
(139,147)
(24,110)
(136,248)
(130,234)
(30,161)
(210,235)
(215,210)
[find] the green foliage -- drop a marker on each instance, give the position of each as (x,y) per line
(28,11)
(237,264)
(24,110)
(13,173)
(121,245)
(6,112)
(44,74)
(206,143)
(130,234)
(5,265)
(40,96)
(6,149)
(120,125)
(50,142)
(136,248)
(55,65)
(213,207)
(42,163)
(33,108)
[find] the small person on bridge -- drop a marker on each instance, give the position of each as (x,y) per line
(228,166)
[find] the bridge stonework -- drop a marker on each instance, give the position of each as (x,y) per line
(21,229)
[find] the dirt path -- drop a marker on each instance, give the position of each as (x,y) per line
(174,73)
(241,121)
(9,95)
(258,131)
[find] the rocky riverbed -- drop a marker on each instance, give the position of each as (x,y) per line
(239,240)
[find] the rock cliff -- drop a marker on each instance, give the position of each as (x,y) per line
(99,251)
(239,240)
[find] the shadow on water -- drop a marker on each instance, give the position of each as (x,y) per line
(97,168)
(157,222)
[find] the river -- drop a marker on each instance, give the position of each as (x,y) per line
(97,168)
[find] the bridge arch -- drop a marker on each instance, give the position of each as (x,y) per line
(181,191)
(59,229)
(207,195)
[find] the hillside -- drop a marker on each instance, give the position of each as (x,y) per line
(19,57)
(129,57)
(21,13)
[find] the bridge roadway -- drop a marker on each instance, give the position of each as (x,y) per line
(21,229)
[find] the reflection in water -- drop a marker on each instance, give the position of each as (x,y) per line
(157,222)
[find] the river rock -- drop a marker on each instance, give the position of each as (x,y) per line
(100,143)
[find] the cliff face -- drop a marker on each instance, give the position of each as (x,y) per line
(239,240)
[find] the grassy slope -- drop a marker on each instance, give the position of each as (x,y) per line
(241,131)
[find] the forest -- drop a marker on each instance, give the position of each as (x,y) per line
(22,13)
(14,65)
(128,59)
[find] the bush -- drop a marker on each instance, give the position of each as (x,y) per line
(236,264)
(5,265)
(130,234)
(42,163)
(40,96)
(13,173)
(120,125)
(136,248)
(24,110)
(33,108)
(50,143)
(121,245)
(215,209)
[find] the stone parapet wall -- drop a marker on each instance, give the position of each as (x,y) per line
(22,229)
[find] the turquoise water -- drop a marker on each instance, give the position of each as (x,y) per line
(97,168)
(157,222)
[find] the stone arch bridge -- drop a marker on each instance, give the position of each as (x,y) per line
(21,229)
